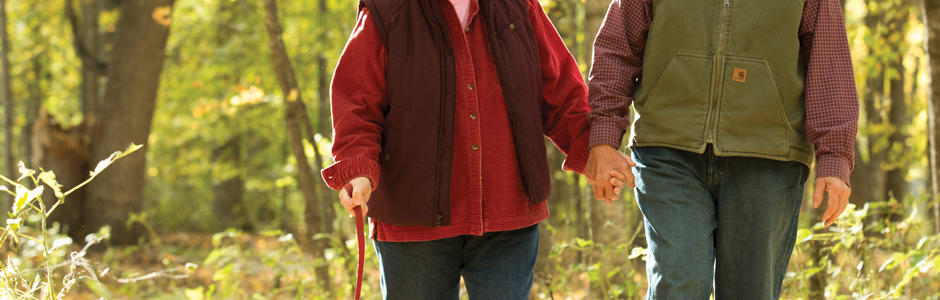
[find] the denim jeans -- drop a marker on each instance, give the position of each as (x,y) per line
(496,265)
(722,224)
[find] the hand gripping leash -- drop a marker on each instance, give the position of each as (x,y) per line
(360,235)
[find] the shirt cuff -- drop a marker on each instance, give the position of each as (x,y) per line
(577,157)
(834,166)
(340,173)
(605,132)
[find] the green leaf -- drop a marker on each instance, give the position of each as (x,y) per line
(637,252)
(130,149)
(583,243)
(803,235)
(24,196)
(104,163)
(195,294)
(276,232)
(191,267)
(24,171)
(48,178)
(222,273)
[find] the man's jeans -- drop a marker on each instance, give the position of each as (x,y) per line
(731,219)
(496,265)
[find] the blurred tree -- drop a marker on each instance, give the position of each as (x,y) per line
(932,45)
(126,114)
(7,94)
(297,124)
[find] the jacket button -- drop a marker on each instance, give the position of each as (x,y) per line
(467,30)
(512,26)
(470,86)
(473,116)
(387,157)
(475,147)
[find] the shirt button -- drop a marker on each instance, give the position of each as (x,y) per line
(473,116)
(475,147)
(470,86)
(387,157)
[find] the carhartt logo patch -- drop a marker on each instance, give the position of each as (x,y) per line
(740,75)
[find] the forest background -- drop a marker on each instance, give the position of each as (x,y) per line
(230,101)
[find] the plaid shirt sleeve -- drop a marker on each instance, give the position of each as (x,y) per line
(831,95)
(616,66)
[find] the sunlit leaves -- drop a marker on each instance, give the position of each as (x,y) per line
(251,95)
(24,172)
(24,196)
(48,177)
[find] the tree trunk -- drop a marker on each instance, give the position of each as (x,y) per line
(932,43)
(297,120)
(127,111)
(65,152)
(896,185)
(7,96)
(34,87)
(90,74)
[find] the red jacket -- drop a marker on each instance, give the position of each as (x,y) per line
(486,186)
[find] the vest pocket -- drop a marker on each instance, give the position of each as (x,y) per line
(387,158)
(676,109)
(752,119)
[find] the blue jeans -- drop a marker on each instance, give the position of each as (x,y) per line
(727,221)
(496,265)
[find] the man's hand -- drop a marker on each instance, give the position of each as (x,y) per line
(838,197)
(362,190)
(603,165)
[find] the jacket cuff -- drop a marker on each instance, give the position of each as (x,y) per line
(341,172)
(605,132)
(577,157)
(834,166)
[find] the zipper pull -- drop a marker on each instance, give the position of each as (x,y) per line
(727,3)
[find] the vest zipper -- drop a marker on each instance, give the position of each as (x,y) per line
(718,61)
(445,38)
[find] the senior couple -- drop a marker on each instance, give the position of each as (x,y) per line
(440,108)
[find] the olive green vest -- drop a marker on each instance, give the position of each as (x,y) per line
(725,72)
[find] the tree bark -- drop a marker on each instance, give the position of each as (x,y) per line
(297,120)
(932,45)
(896,185)
(90,75)
(127,112)
(7,95)
(65,152)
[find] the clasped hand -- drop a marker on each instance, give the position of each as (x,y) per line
(608,172)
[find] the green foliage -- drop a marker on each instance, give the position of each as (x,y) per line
(866,255)
(39,249)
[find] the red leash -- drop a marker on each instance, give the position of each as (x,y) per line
(360,235)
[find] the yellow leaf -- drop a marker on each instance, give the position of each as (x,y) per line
(163,15)
(292,96)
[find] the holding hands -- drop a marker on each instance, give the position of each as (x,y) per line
(608,172)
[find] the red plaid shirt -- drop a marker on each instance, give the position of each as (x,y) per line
(831,96)
(486,185)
